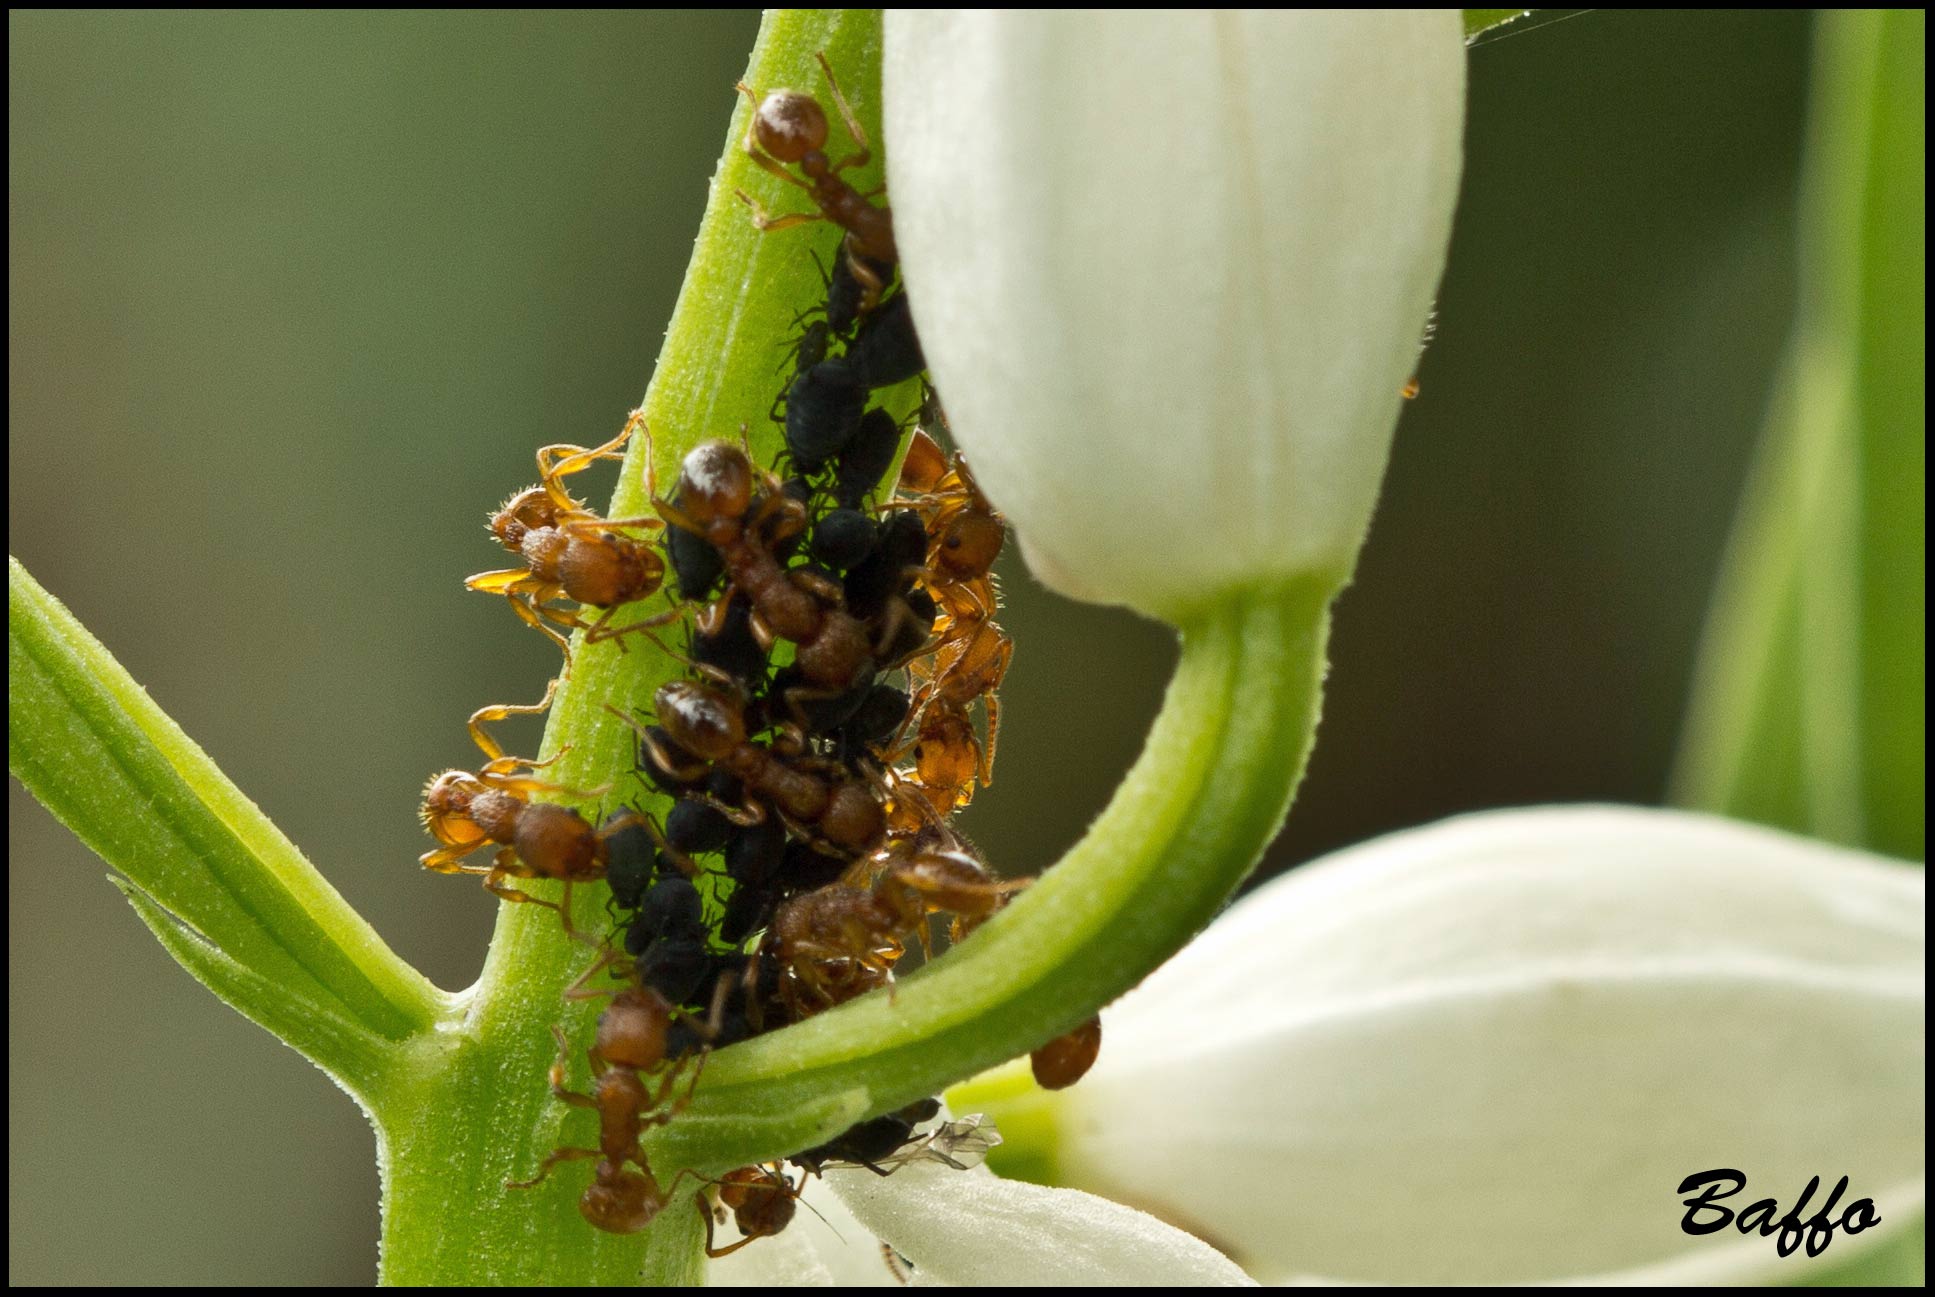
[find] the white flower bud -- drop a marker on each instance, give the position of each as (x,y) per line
(1490,1050)
(1170,271)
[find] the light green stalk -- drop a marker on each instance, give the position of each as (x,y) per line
(1809,703)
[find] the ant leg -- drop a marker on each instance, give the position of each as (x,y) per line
(578,990)
(558,1065)
(766,223)
(994,727)
(540,620)
(716,1252)
(598,631)
(678,517)
(501,711)
(663,1095)
(518,587)
(498,775)
(665,761)
(448,860)
(571,929)
(865,154)
(576,459)
(494,884)
(686,865)
(823,588)
(544,1167)
(594,527)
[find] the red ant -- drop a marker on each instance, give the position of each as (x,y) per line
(817,798)
(762,1201)
(568,550)
(840,941)
(836,943)
(790,127)
(631,1038)
(466,811)
(921,878)
(833,648)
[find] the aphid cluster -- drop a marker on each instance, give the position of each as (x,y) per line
(839,647)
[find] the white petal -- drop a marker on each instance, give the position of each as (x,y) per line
(1489,1051)
(1170,271)
(971,1227)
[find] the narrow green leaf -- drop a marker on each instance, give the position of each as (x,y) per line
(1809,703)
(1480,21)
(1897,1259)
(87,741)
(352,1055)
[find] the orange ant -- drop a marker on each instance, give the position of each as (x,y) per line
(762,1201)
(841,940)
(811,796)
(1066,1059)
(466,811)
(836,943)
(833,648)
(790,127)
(631,1038)
(570,551)
(971,653)
(921,878)
(947,758)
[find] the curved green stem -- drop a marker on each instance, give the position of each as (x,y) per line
(1210,790)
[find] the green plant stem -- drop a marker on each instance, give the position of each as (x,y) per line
(474,1110)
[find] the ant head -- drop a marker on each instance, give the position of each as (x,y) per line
(524,512)
(620,1201)
(446,808)
(968,545)
(716,481)
(769,1207)
(700,720)
(789,124)
(631,1030)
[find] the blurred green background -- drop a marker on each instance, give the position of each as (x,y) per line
(293,297)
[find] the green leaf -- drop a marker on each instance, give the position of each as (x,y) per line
(1809,702)
(1895,1260)
(1480,21)
(355,1057)
(231,898)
